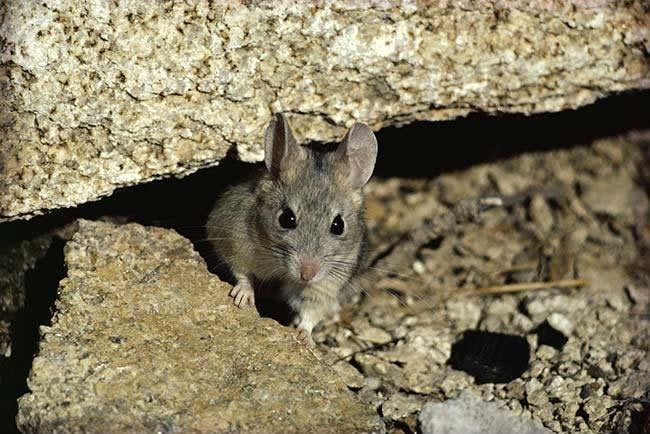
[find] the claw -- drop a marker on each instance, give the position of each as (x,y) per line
(243,295)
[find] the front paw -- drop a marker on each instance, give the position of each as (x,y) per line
(304,337)
(243,295)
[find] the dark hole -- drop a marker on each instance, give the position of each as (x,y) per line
(640,420)
(547,335)
(457,270)
(583,414)
(596,372)
(490,357)
(41,284)
(434,244)
(522,307)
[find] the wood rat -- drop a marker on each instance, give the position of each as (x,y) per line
(300,222)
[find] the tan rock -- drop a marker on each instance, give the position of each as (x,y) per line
(615,196)
(96,95)
(145,339)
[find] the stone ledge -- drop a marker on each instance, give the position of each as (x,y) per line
(96,97)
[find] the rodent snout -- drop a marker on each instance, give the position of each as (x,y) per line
(308,269)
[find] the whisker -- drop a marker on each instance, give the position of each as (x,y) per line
(353,282)
(379,270)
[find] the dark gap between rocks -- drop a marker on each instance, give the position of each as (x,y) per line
(490,357)
(640,423)
(583,414)
(397,426)
(41,285)
(479,138)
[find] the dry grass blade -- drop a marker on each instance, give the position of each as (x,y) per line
(519,287)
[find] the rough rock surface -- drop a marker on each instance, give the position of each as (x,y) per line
(96,95)
(146,339)
(470,415)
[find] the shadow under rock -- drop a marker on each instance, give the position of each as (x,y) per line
(427,149)
(41,285)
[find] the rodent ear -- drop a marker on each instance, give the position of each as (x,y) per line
(280,147)
(358,153)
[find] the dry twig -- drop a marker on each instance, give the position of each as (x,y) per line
(518,287)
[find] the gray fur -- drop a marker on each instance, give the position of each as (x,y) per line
(245,232)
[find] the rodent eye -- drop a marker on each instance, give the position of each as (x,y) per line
(337,225)
(287,219)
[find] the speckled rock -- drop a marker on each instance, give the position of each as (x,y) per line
(145,339)
(621,193)
(97,95)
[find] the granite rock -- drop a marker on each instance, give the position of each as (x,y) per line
(145,339)
(469,415)
(95,96)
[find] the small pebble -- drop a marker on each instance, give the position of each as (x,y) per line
(418,267)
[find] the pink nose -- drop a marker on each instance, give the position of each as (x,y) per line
(308,270)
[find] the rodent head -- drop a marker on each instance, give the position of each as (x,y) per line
(311,205)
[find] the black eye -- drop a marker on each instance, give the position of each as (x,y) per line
(287,219)
(337,225)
